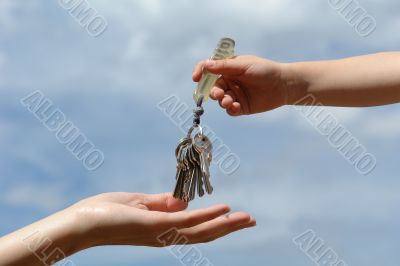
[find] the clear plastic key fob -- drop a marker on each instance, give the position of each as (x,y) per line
(224,50)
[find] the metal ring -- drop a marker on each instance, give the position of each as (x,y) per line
(189,134)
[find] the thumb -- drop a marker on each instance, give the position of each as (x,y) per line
(226,66)
(164,202)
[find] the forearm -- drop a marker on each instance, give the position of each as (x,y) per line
(358,81)
(42,243)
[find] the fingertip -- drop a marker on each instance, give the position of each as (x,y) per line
(234,109)
(217,93)
(246,225)
(227,101)
(236,105)
(196,76)
(253,221)
(212,95)
(197,71)
(240,217)
(177,204)
(173,204)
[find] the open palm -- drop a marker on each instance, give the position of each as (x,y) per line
(140,219)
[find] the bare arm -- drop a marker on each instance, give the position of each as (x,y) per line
(118,219)
(42,243)
(368,80)
(251,84)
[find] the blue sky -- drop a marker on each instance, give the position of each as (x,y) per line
(290,178)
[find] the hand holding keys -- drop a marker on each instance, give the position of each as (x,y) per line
(194,154)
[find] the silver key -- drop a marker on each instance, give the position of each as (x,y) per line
(205,173)
(193,159)
(204,147)
(181,172)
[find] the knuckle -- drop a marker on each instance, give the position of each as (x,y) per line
(223,63)
(200,64)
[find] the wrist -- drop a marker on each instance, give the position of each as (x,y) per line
(296,85)
(67,233)
(81,227)
(49,240)
(71,234)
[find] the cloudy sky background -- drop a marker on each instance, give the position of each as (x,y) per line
(290,178)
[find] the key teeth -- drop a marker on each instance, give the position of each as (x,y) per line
(186,198)
(209,189)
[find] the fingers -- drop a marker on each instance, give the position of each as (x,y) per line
(218,227)
(231,67)
(226,97)
(235,109)
(227,231)
(227,100)
(197,71)
(225,92)
(164,202)
(229,103)
(217,93)
(192,218)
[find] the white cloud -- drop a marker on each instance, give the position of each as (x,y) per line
(137,47)
(7,19)
(154,38)
(8,13)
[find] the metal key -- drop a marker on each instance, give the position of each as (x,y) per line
(204,147)
(181,171)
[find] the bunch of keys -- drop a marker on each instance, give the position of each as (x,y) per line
(194,153)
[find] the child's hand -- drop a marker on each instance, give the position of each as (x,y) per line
(248,85)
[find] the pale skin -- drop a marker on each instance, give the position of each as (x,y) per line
(250,84)
(118,219)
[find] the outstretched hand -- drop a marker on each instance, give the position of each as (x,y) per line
(118,219)
(140,219)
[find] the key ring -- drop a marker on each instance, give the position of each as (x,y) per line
(189,134)
(194,153)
